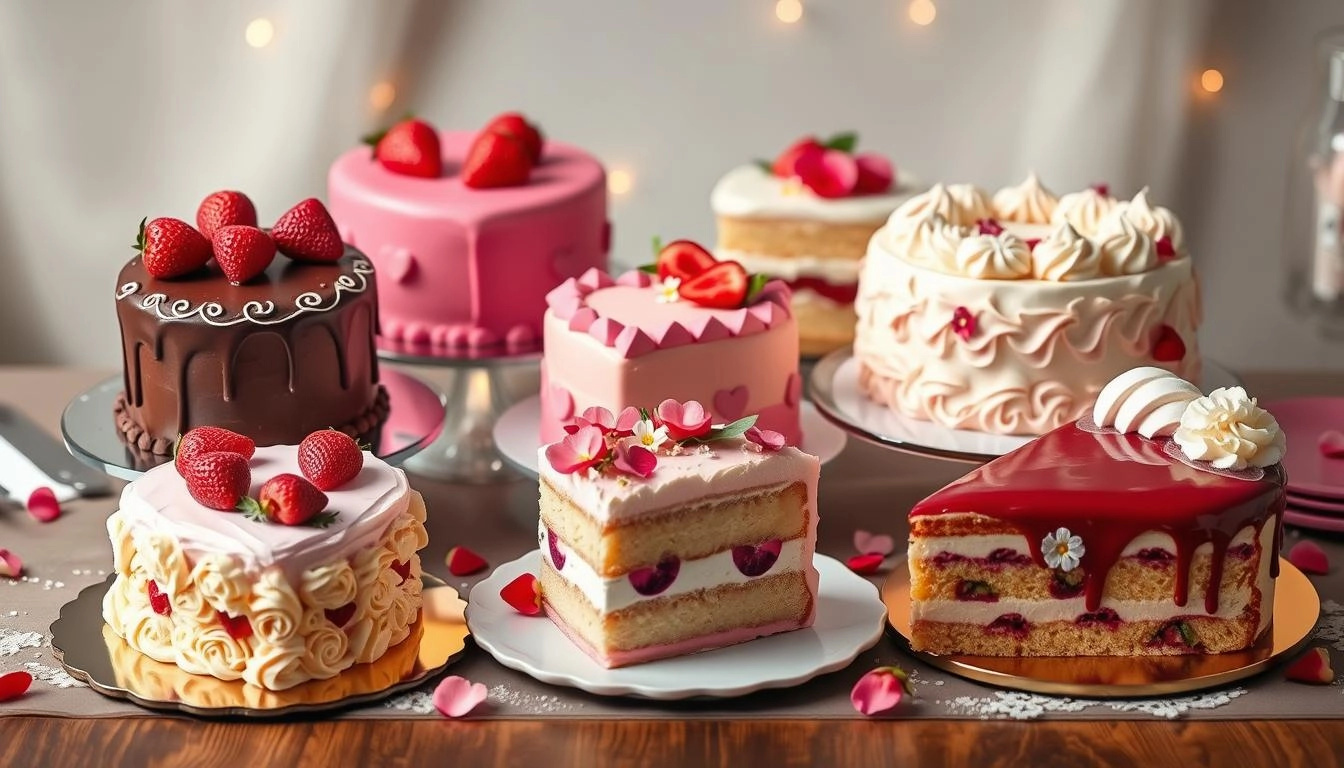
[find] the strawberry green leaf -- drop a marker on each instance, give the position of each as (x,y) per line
(323,520)
(651,269)
(845,142)
(765,165)
(140,237)
(657,245)
(372,139)
(754,285)
(253,510)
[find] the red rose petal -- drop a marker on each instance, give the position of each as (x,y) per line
(1331,443)
(1312,667)
(1309,557)
(523,594)
(464,562)
(10,564)
(829,174)
(865,564)
(14,684)
(43,506)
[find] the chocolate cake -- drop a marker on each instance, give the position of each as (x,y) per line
(286,353)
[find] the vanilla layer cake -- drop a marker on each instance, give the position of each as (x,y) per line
(775,226)
(1161,554)
(714,548)
(273,605)
(1008,315)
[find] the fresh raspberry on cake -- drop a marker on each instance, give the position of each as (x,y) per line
(225,208)
(171,247)
(410,148)
(515,125)
(210,439)
(242,252)
(496,160)
(307,233)
(330,459)
(290,500)
(219,480)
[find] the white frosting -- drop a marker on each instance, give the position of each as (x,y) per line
(1065,255)
(928,241)
(1125,250)
(1230,431)
(1147,400)
(980,546)
(993,257)
(1027,203)
(834,271)
(1085,210)
(935,200)
(1157,222)
(718,569)
(971,202)
(750,192)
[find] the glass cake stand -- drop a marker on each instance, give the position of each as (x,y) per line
(414,419)
(465,451)
(834,388)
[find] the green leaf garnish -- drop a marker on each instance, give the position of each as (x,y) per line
(322,520)
(651,269)
(765,165)
(754,285)
(733,429)
(844,142)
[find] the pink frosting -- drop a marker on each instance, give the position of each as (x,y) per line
(158,501)
(462,268)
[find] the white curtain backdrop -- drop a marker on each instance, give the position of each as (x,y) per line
(110,112)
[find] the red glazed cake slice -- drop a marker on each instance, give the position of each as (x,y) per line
(1093,541)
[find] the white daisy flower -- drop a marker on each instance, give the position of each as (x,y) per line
(1063,550)
(667,290)
(647,435)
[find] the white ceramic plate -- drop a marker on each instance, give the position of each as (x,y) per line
(835,390)
(516,434)
(850,619)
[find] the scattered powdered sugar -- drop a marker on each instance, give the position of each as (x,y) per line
(549,704)
(1029,706)
(419,702)
(1331,628)
(52,676)
(12,641)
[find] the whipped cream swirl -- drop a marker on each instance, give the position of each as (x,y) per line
(1084,210)
(934,200)
(1155,221)
(1028,203)
(1230,430)
(994,257)
(928,242)
(1065,255)
(970,202)
(1147,400)
(1124,249)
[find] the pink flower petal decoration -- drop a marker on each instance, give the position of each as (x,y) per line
(828,174)
(456,696)
(626,421)
(10,564)
(879,690)
(42,505)
(1308,556)
(14,684)
(1331,443)
(875,174)
(596,416)
(866,543)
(634,459)
(683,420)
(768,439)
(577,452)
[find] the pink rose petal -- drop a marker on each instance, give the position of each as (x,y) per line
(829,174)
(10,564)
(577,452)
(768,439)
(684,420)
(456,696)
(596,416)
(634,459)
(879,690)
(1308,556)
(626,421)
(42,505)
(1331,444)
(873,544)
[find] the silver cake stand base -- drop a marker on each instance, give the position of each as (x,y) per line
(475,396)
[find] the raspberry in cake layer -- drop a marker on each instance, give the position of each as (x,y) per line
(615,343)
(1092,541)
(713,548)
(275,358)
(463,268)
(1009,315)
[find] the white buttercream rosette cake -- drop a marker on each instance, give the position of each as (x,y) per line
(1008,313)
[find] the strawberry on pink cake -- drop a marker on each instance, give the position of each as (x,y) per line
(688,327)
(469,230)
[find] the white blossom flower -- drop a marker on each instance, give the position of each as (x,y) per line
(646,434)
(1230,431)
(667,290)
(1063,550)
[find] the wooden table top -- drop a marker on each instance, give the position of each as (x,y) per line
(177,742)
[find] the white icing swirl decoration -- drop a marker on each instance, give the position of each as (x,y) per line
(1147,400)
(970,204)
(1065,255)
(994,257)
(1028,203)
(1156,222)
(934,200)
(1124,249)
(930,242)
(1084,210)
(1230,430)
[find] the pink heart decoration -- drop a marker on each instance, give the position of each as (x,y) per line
(1331,443)
(731,403)
(866,543)
(879,690)
(793,390)
(456,696)
(1309,557)
(396,263)
(559,402)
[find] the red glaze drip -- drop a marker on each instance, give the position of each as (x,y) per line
(1108,489)
(840,294)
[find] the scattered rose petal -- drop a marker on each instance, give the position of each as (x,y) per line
(523,594)
(1308,556)
(10,564)
(768,439)
(577,452)
(596,416)
(865,564)
(684,420)
(880,690)
(634,459)
(626,421)
(42,505)
(1312,667)
(456,696)
(464,562)
(1331,444)
(14,684)
(873,543)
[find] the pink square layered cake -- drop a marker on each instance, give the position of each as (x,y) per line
(618,342)
(663,535)
(465,269)
(1151,527)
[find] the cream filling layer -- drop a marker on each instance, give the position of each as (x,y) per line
(981,546)
(716,570)
(1040,611)
(835,271)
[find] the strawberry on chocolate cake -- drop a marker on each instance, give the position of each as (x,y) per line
(1152,528)
(265,332)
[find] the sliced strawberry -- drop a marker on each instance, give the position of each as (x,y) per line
(722,286)
(209,440)
(307,233)
(409,148)
(330,459)
(1312,667)
(171,248)
(496,160)
(218,480)
(523,594)
(786,165)
(242,252)
(464,562)
(866,563)
(515,125)
(222,209)
(684,260)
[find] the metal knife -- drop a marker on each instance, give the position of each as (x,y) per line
(31,457)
